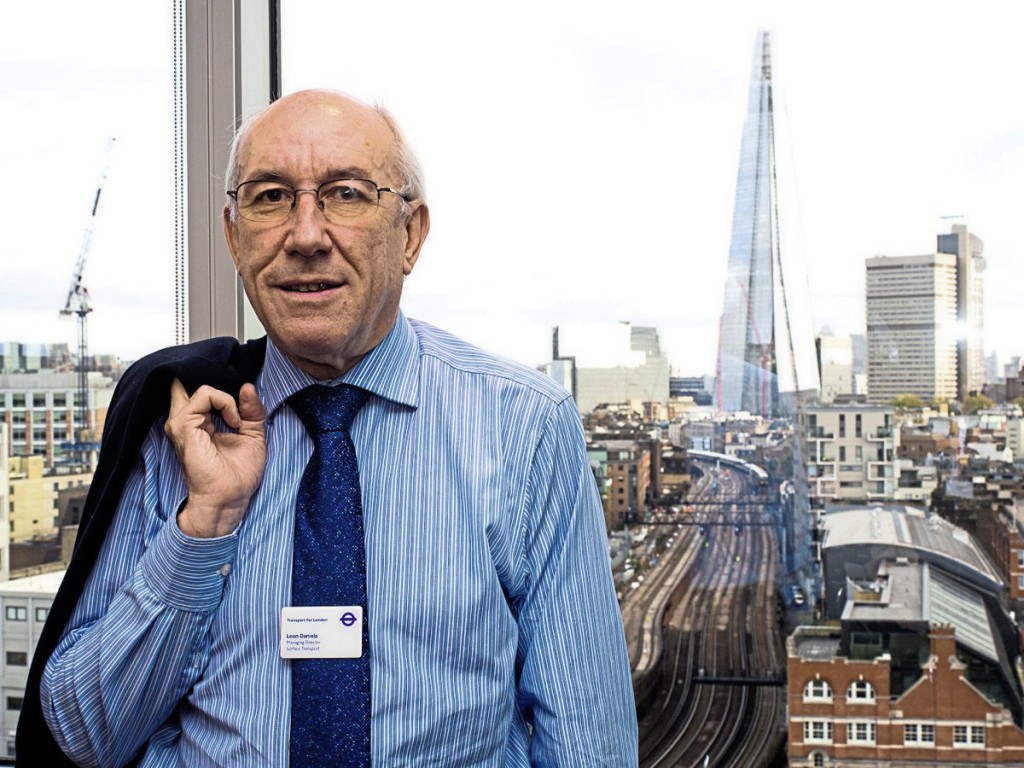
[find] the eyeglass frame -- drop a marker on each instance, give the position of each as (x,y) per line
(233,194)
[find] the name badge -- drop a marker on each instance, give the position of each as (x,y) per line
(322,632)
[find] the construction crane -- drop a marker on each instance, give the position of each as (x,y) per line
(77,303)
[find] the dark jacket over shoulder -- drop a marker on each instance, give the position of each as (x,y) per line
(142,396)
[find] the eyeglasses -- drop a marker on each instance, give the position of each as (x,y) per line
(271,202)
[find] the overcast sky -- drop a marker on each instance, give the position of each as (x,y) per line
(581,156)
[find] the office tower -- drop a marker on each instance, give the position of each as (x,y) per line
(911,326)
(609,363)
(970,265)
(755,336)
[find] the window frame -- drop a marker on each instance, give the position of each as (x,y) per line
(812,689)
(825,727)
(862,732)
(16,613)
(861,692)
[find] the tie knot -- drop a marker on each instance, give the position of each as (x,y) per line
(324,408)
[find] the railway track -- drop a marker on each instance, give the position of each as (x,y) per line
(709,642)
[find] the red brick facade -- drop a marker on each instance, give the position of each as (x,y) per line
(942,718)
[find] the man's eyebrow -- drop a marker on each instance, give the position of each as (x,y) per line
(348,172)
(262,175)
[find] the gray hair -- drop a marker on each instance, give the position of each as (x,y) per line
(412,185)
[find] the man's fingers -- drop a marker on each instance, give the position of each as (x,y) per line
(203,401)
(179,397)
(250,407)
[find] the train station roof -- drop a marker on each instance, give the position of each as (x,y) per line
(900,530)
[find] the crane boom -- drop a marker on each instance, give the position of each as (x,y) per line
(77,303)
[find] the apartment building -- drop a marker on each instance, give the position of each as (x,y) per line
(24,605)
(851,453)
(33,507)
(44,414)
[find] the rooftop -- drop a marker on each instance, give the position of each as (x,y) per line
(917,593)
(41,584)
(909,527)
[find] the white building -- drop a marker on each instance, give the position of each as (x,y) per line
(5,505)
(610,363)
(912,326)
(835,365)
(24,605)
(850,453)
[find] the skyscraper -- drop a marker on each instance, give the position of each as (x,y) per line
(911,326)
(755,338)
(970,264)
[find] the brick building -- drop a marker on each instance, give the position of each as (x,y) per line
(843,711)
(919,661)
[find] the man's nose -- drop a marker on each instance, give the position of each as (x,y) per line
(308,226)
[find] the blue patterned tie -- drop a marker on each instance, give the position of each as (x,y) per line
(330,697)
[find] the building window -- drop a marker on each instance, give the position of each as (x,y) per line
(860,732)
(1020,582)
(818,690)
(1020,558)
(861,692)
(60,400)
(842,453)
(17,613)
(922,734)
(842,425)
(859,427)
(14,703)
(818,731)
(17,659)
(819,759)
(18,400)
(39,400)
(858,452)
(968,736)
(41,614)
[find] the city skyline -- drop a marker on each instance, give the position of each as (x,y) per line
(884,146)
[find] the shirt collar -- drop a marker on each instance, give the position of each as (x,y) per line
(390,370)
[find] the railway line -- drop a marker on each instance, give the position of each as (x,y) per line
(703,638)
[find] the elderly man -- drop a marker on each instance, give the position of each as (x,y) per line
(388,548)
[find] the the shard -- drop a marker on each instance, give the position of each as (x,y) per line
(755,338)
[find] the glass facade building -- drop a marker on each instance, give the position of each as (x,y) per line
(754,323)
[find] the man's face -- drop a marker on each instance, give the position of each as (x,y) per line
(326,293)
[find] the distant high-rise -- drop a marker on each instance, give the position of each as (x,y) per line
(835,365)
(970,265)
(609,363)
(755,338)
(912,326)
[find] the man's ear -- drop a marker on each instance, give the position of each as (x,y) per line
(416,228)
(231,233)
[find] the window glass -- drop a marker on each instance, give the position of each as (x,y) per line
(87,73)
(17,658)
(16,613)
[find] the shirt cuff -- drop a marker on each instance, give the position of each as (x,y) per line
(187,573)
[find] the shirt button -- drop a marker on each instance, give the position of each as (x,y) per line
(225,569)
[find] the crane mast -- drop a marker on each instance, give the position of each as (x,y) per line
(77,303)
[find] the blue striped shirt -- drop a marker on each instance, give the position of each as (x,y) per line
(495,635)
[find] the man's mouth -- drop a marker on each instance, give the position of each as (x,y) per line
(308,287)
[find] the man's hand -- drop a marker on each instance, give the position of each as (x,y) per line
(222,469)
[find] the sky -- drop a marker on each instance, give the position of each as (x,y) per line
(580,157)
